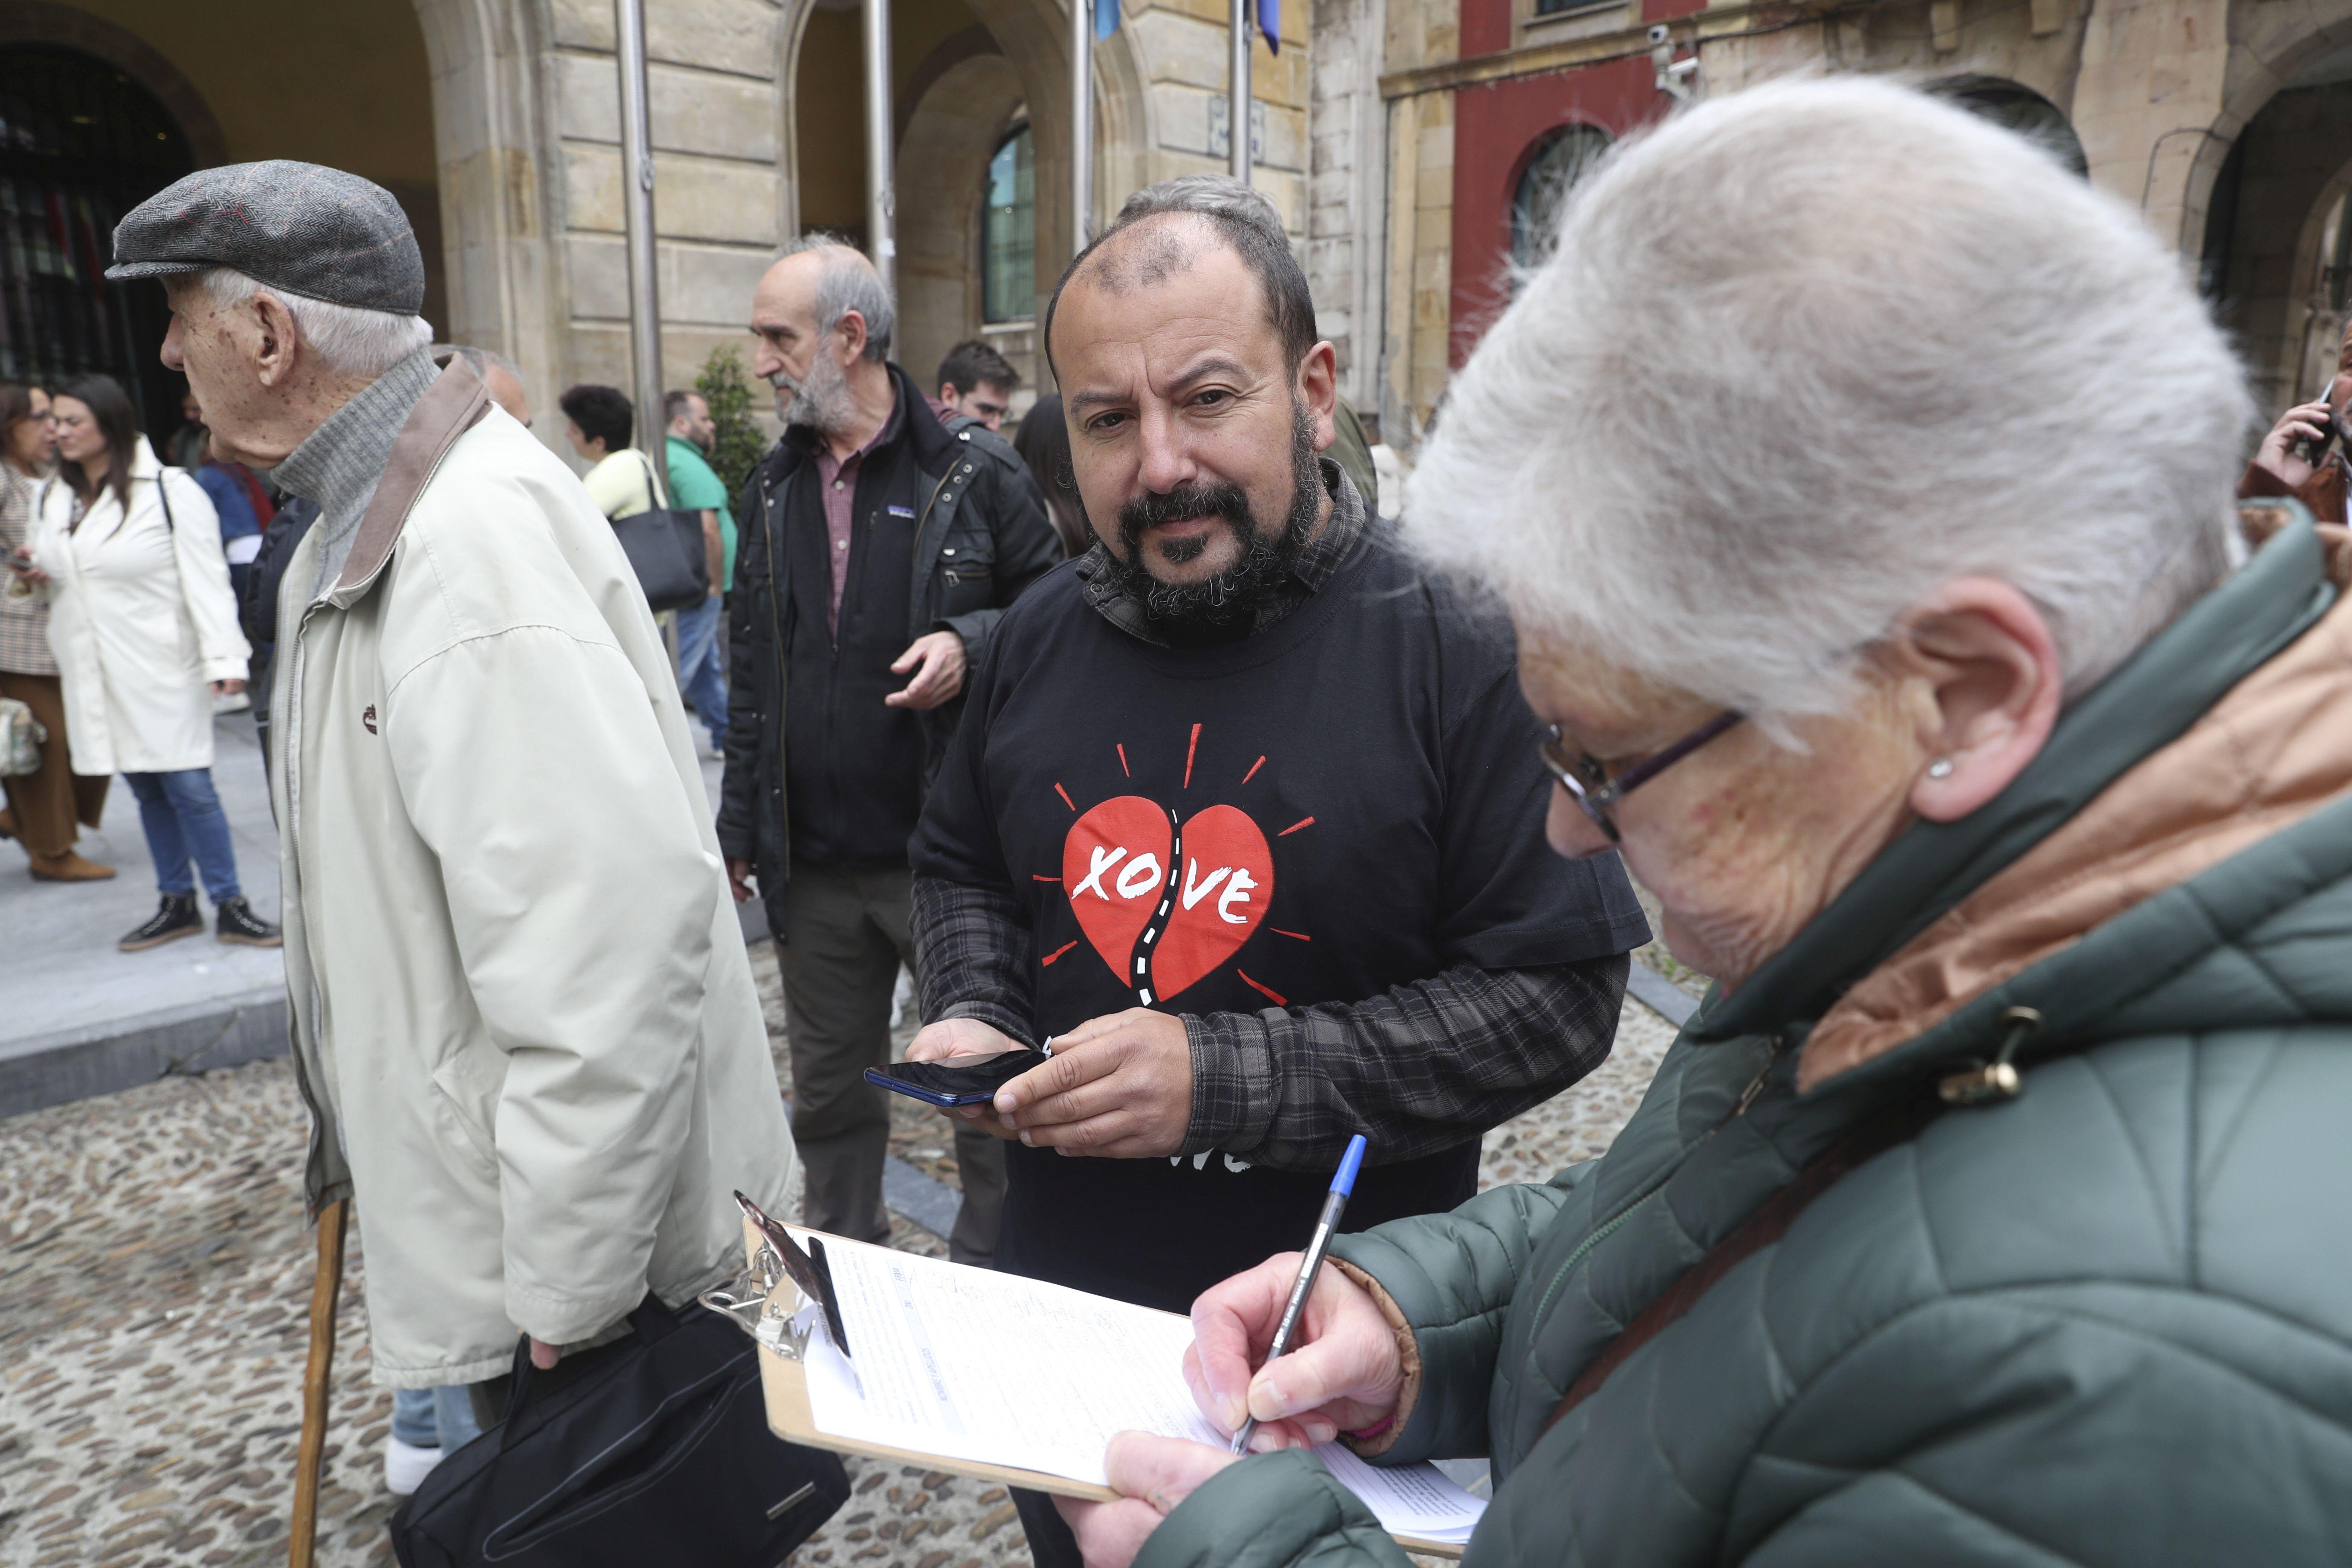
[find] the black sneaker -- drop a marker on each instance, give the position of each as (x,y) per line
(238,923)
(176,917)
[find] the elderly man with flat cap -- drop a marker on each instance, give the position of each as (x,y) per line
(523,1018)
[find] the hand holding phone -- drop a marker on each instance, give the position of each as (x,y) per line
(957,1081)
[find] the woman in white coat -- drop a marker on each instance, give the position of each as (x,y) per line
(145,633)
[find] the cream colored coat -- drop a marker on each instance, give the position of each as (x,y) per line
(141,619)
(524,1018)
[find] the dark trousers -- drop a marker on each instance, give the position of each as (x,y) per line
(845,933)
(1051,1543)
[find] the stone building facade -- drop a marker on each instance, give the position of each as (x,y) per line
(497,123)
(2223,121)
(1411,145)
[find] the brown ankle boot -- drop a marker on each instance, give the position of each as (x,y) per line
(68,867)
(7,822)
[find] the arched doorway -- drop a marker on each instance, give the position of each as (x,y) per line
(2016,107)
(84,145)
(959,256)
(2276,241)
(966,73)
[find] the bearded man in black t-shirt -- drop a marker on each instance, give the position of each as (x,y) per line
(1245,812)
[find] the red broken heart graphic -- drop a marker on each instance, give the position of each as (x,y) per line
(1115,868)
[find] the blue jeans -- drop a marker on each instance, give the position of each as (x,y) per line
(439,1418)
(183,818)
(698,673)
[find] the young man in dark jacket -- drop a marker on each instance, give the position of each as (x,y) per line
(878,549)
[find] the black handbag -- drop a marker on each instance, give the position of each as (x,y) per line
(659,1452)
(666,550)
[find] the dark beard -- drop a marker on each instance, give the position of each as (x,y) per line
(1232,598)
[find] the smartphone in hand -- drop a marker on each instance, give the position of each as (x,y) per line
(960,1080)
(2311,451)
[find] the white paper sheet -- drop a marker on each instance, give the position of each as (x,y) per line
(993,1368)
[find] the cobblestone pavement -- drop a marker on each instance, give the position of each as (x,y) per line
(155,1283)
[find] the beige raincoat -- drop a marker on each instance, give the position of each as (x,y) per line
(524,1018)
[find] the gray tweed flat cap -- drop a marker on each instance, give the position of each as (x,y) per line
(302,228)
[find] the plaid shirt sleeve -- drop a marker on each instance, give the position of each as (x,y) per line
(972,956)
(1417,1068)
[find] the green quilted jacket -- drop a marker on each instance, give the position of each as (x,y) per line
(2106,1321)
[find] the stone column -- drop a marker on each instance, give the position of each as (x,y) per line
(2148,107)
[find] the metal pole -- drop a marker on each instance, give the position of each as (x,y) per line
(881,242)
(638,196)
(1239,92)
(1082,122)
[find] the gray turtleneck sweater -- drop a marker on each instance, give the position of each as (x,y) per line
(341,464)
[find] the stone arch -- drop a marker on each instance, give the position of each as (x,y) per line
(950,134)
(2019,107)
(1032,37)
(37,22)
(2274,43)
(2270,201)
(505,272)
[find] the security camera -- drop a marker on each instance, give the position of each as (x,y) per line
(1676,78)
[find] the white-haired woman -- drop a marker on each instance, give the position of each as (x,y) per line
(145,633)
(1994,1208)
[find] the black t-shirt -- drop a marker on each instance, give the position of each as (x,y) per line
(1346,801)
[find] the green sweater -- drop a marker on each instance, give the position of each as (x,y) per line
(2107,1322)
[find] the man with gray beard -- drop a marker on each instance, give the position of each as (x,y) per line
(878,550)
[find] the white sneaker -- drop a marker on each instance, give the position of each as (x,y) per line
(405,1466)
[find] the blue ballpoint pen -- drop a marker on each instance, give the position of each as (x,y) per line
(1334,1204)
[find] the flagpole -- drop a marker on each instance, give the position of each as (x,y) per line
(638,210)
(881,243)
(1238,117)
(1082,123)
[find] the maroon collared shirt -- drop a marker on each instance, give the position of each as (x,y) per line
(838,485)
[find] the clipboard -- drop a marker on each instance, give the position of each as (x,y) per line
(783,1384)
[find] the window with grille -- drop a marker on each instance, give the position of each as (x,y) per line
(1008,231)
(1559,160)
(80,144)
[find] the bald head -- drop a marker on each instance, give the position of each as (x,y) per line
(1166,230)
(1149,253)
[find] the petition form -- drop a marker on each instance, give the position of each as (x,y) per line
(995,1369)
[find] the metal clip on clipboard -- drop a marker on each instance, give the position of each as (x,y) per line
(750,1299)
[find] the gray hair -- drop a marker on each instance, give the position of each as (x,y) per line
(483,360)
(848,282)
(1212,196)
(1807,352)
(348,340)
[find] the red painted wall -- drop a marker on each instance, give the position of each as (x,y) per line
(1496,129)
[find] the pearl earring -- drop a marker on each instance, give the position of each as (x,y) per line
(1941,768)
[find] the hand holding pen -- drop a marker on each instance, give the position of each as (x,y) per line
(1343,1370)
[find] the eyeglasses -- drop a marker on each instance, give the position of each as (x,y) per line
(1589,783)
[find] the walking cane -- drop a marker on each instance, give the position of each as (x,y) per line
(302,1540)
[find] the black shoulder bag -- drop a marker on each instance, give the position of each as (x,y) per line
(664,550)
(658,1452)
